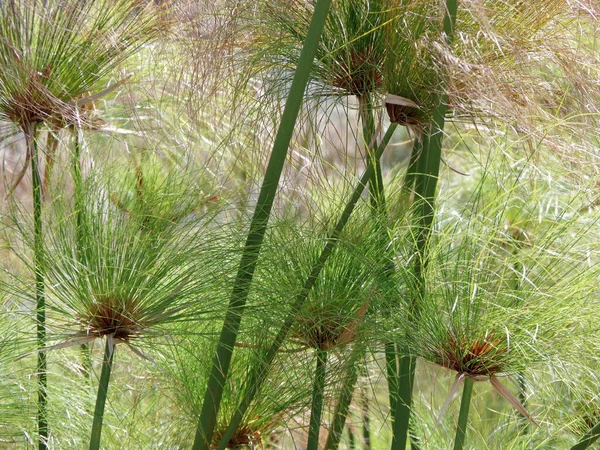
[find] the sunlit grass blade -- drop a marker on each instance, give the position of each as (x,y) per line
(258,226)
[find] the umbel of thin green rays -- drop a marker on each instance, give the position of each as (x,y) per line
(283,397)
(118,280)
(55,57)
(474,323)
(258,227)
(342,303)
(258,376)
(51,55)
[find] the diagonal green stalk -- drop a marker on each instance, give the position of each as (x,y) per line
(30,130)
(258,226)
(588,439)
(463,415)
(424,169)
(109,354)
(317,400)
(258,375)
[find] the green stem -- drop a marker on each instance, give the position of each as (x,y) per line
(109,354)
(351,440)
(424,169)
(258,375)
(377,197)
(376,192)
(86,359)
(403,402)
(366,420)
(588,439)
(465,403)
(343,404)
(317,401)
(258,226)
(30,131)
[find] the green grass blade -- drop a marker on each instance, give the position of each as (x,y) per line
(30,131)
(588,439)
(465,403)
(257,377)
(317,401)
(258,226)
(109,354)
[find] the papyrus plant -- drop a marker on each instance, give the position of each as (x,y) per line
(52,55)
(119,280)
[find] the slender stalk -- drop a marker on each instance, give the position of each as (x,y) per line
(317,401)
(391,367)
(257,377)
(376,192)
(377,197)
(258,226)
(465,403)
(425,167)
(30,131)
(351,440)
(86,358)
(366,420)
(343,404)
(588,439)
(109,354)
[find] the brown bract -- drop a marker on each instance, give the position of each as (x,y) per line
(477,357)
(244,437)
(360,76)
(110,316)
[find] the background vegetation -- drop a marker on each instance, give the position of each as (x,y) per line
(299,224)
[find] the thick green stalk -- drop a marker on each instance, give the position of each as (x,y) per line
(463,415)
(588,439)
(317,401)
(391,368)
(258,375)
(109,354)
(258,226)
(403,402)
(30,131)
(426,167)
